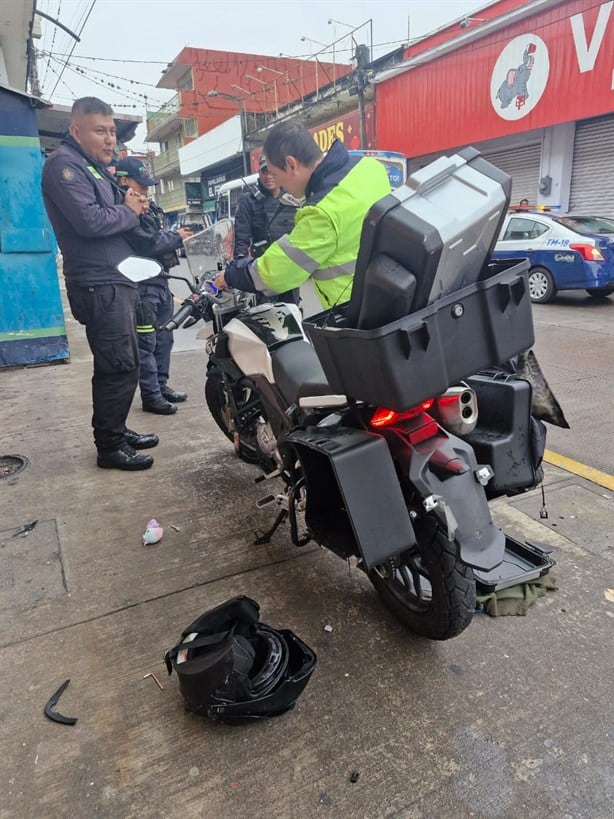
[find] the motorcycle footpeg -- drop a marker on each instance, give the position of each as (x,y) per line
(267,500)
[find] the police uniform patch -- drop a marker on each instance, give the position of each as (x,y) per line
(68,174)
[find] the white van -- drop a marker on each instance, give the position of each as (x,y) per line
(228,195)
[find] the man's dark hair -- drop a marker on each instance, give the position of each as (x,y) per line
(290,139)
(90,105)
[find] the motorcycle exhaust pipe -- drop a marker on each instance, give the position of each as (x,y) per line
(457,410)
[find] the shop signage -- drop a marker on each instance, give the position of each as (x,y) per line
(212,184)
(346,129)
(546,69)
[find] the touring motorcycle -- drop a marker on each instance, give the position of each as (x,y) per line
(384,425)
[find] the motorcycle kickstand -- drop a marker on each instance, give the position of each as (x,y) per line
(265,537)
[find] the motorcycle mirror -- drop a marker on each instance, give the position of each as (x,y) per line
(138,269)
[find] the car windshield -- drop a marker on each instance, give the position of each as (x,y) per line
(588,224)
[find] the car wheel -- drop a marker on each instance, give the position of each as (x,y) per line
(541,285)
(600,292)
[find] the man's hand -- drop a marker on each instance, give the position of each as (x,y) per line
(220,281)
(185,233)
(136,202)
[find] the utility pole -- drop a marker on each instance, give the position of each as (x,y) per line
(362,79)
(242,122)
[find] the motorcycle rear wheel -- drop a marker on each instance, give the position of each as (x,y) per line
(217,401)
(430,590)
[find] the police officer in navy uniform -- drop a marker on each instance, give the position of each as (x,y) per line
(261,219)
(91,216)
(155,306)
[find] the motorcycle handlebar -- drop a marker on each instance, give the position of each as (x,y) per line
(184,312)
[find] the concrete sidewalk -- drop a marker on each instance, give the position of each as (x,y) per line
(514,718)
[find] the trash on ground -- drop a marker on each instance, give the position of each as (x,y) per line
(155,679)
(328,627)
(354,776)
(23,530)
(153,533)
(53,715)
(609,595)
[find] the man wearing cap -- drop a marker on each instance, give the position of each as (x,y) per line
(261,219)
(155,305)
(91,216)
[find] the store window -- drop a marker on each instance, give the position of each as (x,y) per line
(190,128)
(186,83)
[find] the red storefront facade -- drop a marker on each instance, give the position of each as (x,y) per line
(535,76)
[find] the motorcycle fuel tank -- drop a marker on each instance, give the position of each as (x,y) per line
(259,330)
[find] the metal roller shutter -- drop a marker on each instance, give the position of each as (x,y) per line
(522,164)
(592,175)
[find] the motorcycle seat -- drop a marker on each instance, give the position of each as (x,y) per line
(298,372)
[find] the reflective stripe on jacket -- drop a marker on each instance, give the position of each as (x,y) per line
(324,243)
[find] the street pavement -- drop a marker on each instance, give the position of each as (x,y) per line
(513,718)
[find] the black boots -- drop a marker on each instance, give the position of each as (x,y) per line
(159,406)
(125,458)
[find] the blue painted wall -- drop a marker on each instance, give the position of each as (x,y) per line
(32,327)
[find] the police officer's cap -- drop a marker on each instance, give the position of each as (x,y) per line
(134,168)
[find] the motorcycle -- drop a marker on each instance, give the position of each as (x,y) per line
(366,418)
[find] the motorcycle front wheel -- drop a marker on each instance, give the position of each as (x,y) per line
(219,407)
(428,588)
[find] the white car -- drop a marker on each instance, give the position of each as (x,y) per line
(561,258)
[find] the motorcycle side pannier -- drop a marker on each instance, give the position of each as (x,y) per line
(506,436)
(428,306)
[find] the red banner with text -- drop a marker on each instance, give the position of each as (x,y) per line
(552,67)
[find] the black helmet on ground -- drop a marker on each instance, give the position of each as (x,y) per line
(233,668)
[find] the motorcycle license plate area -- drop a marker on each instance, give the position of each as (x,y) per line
(522,562)
(355,505)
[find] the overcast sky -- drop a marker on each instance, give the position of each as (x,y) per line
(125,44)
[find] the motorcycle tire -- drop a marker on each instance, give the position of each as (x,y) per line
(431,591)
(215,396)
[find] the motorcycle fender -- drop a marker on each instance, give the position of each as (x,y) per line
(353,493)
(458,498)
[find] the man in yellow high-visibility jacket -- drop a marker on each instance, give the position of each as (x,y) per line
(338,191)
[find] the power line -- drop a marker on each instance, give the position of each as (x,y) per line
(55,31)
(129,94)
(59,76)
(74,45)
(115,59)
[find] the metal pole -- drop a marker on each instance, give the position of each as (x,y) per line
(243,129)
(361,116)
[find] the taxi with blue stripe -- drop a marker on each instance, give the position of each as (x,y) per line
(561,257)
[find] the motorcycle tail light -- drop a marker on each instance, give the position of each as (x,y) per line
(589,253)
(386,417)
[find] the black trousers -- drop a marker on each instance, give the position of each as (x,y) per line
(154,345)
(108,313)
